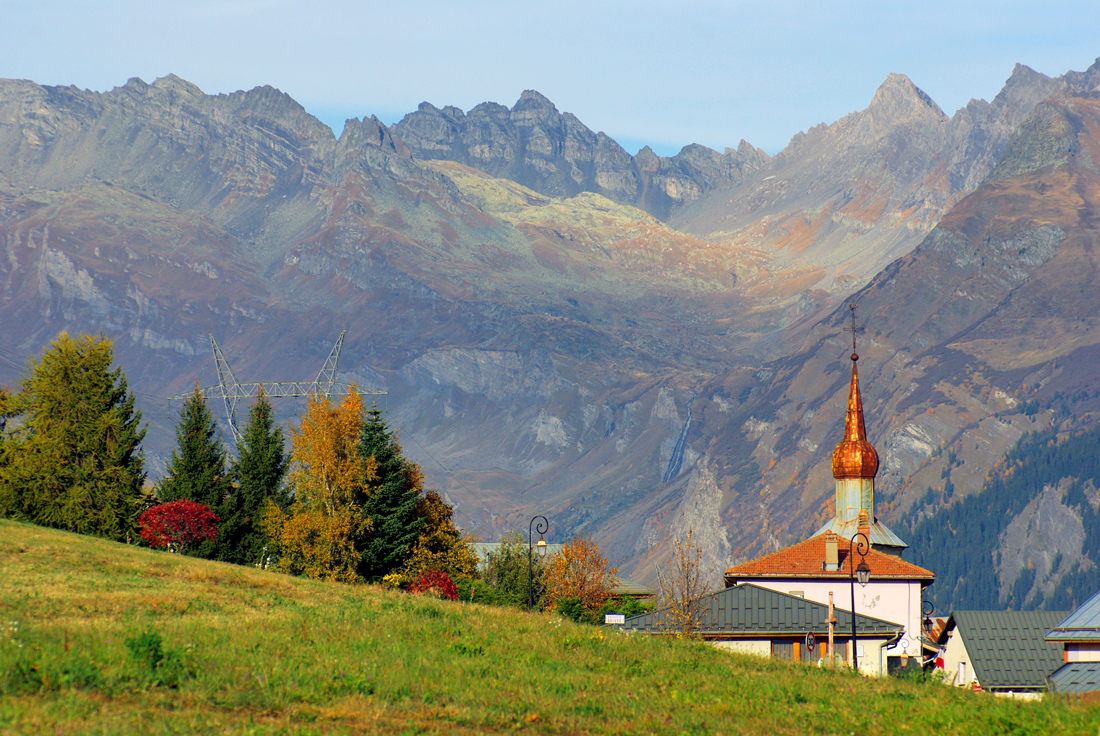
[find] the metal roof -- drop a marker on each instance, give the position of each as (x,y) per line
(880,535)
(1076,677)
(745,610)
(1008,649)
(1081,625)
(621,586)
(482,550)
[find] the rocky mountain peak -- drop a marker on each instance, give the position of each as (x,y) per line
(534,100)
(898,101)
(172,83)
(1086,81)
(1023,89)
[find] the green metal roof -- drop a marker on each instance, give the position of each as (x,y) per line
(1082,625)
(1076,677)
(619,586)
(1008,649)
(746,610)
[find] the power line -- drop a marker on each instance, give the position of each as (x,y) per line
(230,390)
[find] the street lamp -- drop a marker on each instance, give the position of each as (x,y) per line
(541,528)
(927,609)
(863,572)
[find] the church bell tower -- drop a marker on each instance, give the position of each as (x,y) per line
(855,465)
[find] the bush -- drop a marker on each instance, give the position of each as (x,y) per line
(573,609)
(434,583)
(180,523)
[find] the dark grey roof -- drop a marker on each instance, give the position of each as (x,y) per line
(1076,677)
(1008,649)
(1082,625)
(746,610)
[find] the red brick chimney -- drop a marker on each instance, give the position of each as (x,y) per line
(832,558)
(864,528)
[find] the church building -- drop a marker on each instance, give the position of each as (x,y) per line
(820,568)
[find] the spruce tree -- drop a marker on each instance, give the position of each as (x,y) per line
(392,503)
(74,461)
(197,470)
(260,469)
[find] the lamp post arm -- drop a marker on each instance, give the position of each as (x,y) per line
(862,547)
(541,528)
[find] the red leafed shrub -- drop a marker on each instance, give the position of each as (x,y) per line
(434,583)
(181,523)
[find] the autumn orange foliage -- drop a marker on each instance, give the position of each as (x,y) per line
(579,571)
(321,534)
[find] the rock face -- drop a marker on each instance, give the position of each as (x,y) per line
(556,155)
(576,356)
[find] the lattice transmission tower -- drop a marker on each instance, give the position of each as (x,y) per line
(230,390)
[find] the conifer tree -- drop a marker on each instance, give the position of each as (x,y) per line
(392,505)
(197,470)
(74,461)
(260,469)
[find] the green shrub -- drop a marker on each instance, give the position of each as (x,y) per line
(159,666)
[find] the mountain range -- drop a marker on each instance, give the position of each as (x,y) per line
(631,345)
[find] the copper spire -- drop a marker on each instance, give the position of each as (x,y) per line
(854,457)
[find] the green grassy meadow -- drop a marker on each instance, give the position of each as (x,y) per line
(104,638)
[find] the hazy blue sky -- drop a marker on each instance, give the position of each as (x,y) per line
(661,73)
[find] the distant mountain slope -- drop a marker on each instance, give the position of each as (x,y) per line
(842,201)
(977,336)
(1030,539)
(555,154)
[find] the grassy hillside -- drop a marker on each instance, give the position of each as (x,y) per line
(100,637)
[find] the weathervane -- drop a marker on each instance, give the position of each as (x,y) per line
(853,329)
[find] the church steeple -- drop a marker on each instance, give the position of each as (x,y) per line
(855,465)
(855,457)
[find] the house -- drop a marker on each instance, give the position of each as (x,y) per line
(1078,637)
(756,620)
(821,568)
(1004,652)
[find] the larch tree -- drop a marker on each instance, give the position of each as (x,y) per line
(260,469)
(322,533)
(74,460)
(392,505)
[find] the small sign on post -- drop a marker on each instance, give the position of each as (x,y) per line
(811,642)
(614,618)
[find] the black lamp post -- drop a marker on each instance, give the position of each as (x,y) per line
(541,528)
(863,572)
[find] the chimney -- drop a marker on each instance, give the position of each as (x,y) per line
(864,528)
(832,559)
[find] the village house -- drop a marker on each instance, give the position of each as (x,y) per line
(754,620)
(1079,638)
(1003,652)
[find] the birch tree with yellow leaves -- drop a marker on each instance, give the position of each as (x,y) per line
(324,531)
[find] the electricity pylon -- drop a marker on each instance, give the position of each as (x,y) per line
(230,390)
